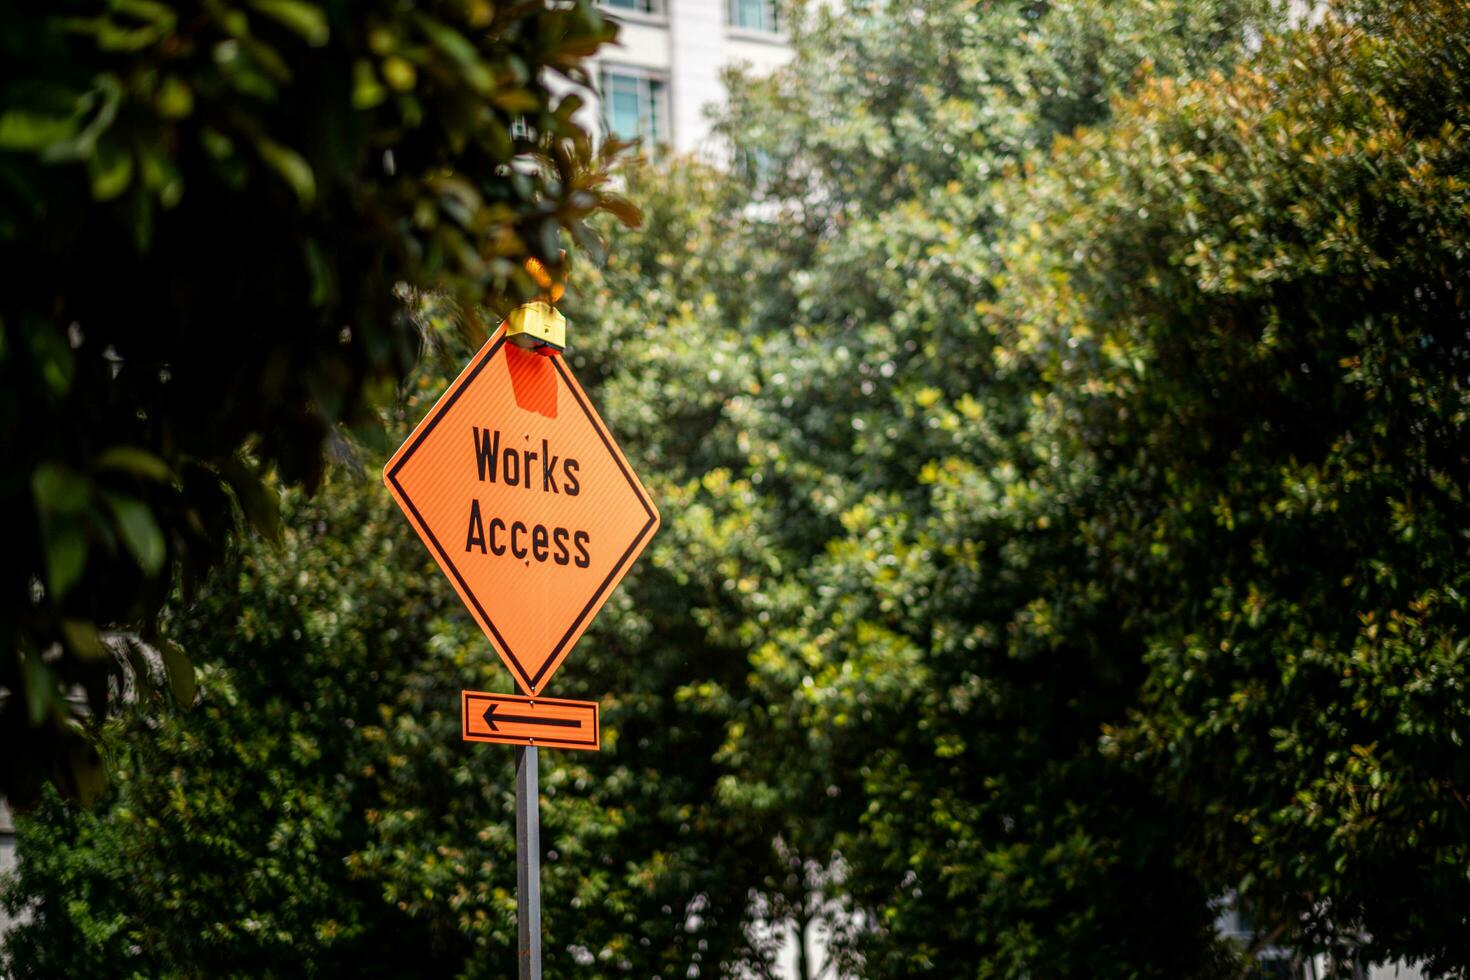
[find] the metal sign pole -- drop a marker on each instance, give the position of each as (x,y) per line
(528,863)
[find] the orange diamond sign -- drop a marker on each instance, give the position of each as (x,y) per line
(526,502)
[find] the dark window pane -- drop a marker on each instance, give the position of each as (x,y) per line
(754,15)
(634,106)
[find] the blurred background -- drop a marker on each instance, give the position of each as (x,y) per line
(1057,412)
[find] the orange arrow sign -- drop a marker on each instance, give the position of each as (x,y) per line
(517,488)
(514,720)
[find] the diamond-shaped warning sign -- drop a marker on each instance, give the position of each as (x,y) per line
(526,502)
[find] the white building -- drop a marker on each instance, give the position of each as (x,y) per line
(665,70)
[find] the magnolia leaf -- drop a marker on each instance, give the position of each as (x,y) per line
(259,502)
(292,167)
(140,531)
(25,129)
(111,169)
(83,639)
(84,766)
(161,175)
(568,107)
(367,91)
(175,98)
(59,489)
(66,556)
(137,461)
(517,100)
(306,19)
(623,209)
(42,697)
(137,653)
(182,682)
(454,44)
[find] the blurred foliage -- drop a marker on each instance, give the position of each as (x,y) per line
(1059,430)
(204,210)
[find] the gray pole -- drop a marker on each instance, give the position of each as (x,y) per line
(528,863)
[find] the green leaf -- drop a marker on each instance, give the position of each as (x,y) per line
(292,167)
(460,51)
(82,637)
(623,209)
(111,170)
(42,697)
(568,106)
(320,270)
(140,462)
(84,764)
(373,437)
(162,176)
(155,12)
(140,531)
(259,502)
(53,357)
(24,129)
(66,556)
(367,91)
(159,19)
(305,19)
(59,489)
(550,238)
(142,676)
(175,98)
(181,679)
(517,100)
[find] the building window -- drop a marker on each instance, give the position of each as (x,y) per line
(635,104)
(637,6)
(754,15)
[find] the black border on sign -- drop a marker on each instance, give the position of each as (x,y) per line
(549,742)
(529,681)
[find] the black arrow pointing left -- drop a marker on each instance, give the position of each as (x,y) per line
(491,718)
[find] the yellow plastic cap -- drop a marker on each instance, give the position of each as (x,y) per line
(535,326)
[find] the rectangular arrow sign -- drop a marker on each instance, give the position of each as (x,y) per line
(513,720)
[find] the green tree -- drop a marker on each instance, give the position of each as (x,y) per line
(204,211)
(930,665)
(1136,498)
(1246,308)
